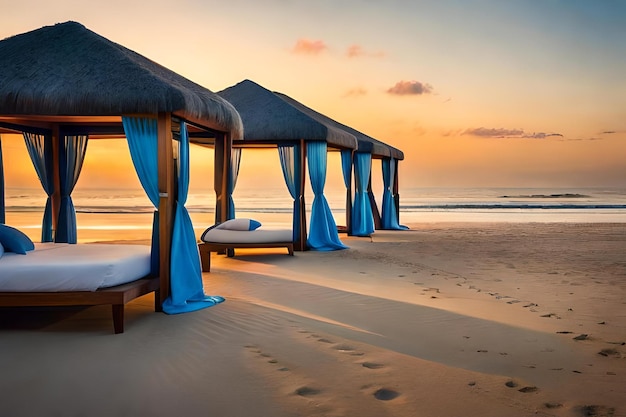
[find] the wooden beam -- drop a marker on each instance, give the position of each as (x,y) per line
(166,200)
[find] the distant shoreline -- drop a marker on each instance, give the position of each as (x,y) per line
(565,195)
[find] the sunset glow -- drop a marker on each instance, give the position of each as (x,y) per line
(475,93)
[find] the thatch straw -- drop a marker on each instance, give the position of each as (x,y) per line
(366,143)
(69,70)
(268,118)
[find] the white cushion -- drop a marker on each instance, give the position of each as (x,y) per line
(239,224)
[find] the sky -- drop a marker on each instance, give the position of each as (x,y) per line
(476,93)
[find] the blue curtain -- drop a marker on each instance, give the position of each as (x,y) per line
(235,161)
(141,136)
(2,204)
(389,218)
(362,216)
(323,229)
(71,156)
(186,291)
(346,167)
(40,150)
(290,163)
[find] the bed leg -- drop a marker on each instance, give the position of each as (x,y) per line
(118,318)
(157,301)
(290,249)
(205,257)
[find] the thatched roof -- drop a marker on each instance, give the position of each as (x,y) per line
(68,70)
(366,143)
(269,118)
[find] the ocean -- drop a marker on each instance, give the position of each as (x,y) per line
(109,214)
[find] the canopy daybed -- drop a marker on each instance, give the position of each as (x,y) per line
(241,233)
(63,85)
(272,118)
(271,121)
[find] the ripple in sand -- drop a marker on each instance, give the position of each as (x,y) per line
(307,391)
(385,394)
(324,340)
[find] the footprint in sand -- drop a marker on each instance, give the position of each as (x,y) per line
(385,394)
(343,348)
(307,391)
(610,352)
(597,411)
(372,365)
(528,389)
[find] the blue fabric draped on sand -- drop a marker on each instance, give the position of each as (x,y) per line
(290,163)
(71,157)
(362,216)
(186,291)
(235,161)
(323,234)
(40,151)
(389,216)
(346,168)
(2,204)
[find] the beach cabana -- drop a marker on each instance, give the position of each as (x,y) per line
(64,85)
(271,120)
(363,217)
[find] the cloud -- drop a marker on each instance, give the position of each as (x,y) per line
(541,135)
(357,51)
(356,92)
(403,88)
(309,47)
(484,132)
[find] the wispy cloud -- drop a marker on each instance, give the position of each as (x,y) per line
(309,47)
(357,51)
(403,88)
(356,92)
(499,133)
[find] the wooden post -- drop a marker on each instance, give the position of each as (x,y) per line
(377,221)
(396,195)
(349,199)
(55,198)
(166,200)
(301,243)
(2,202)
(221,171)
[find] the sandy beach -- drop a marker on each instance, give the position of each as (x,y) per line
(446,319)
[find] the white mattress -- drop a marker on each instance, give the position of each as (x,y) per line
(248,236)
(67,267)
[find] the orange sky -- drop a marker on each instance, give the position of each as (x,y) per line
(527,95)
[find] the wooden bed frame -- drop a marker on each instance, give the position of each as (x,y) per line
(206,248)
(116,296)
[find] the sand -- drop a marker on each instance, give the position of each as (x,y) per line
(447,319)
